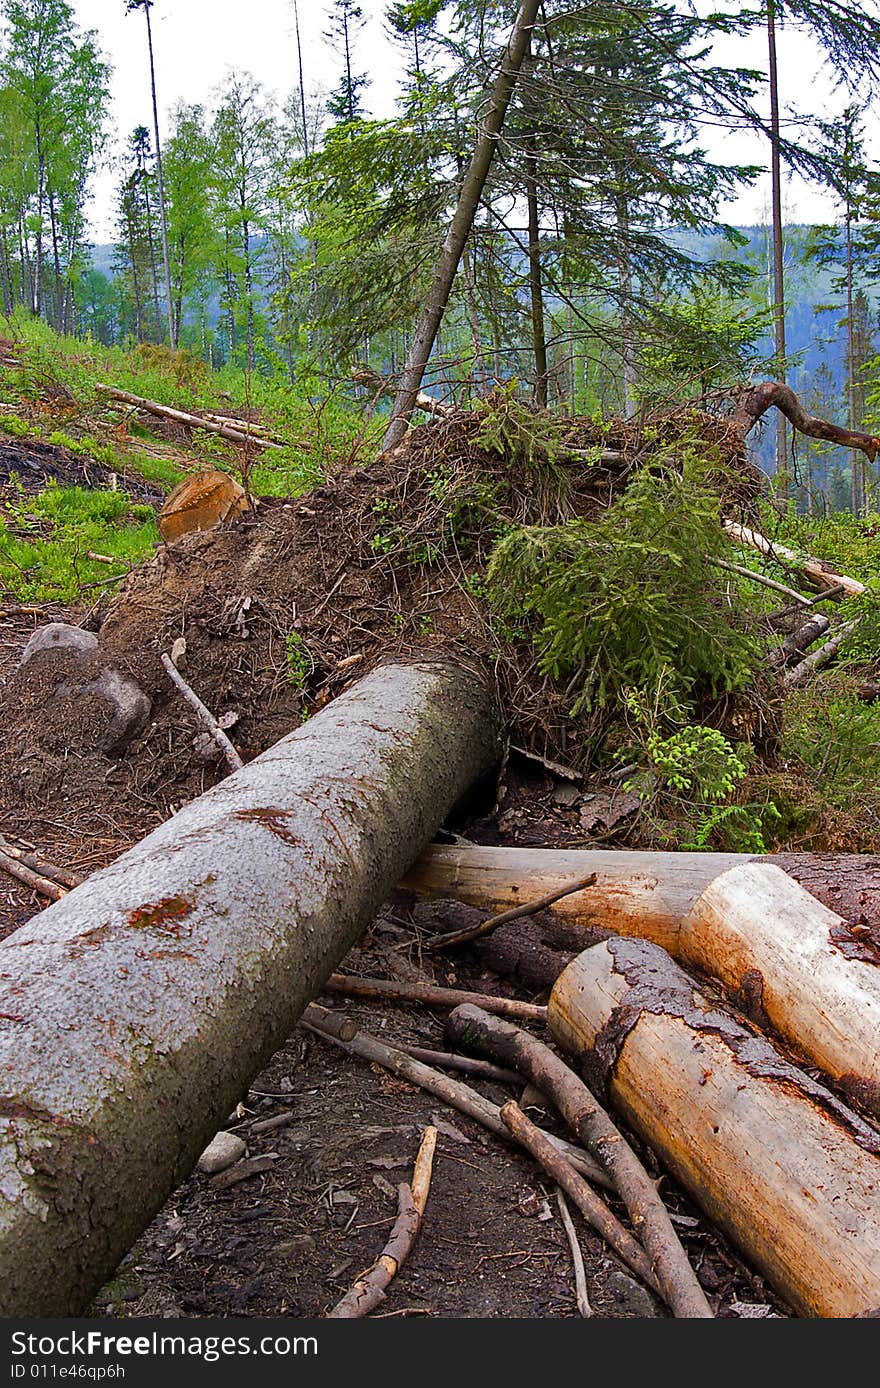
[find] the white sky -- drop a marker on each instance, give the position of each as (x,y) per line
(197,43)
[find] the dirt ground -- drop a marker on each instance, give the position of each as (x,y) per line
(342,1134)
(290,1239)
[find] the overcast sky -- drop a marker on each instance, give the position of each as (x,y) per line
(197,43)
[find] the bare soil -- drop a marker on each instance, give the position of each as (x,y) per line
(341,568)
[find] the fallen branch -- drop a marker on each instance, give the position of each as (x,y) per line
(756,400)
(64,876)
(816,659)
(384,990)
(799,640)
(591,1206)
(475,932)
(593,1128)
(814,570)
(577,1257)
(762,579)
(31,879)
(368,1291)
(459,1096)
(241,434)
(465,1064)
(205,716)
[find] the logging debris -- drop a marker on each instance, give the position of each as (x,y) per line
(282,606)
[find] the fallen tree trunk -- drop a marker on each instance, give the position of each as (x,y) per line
(136,1011)
(823,656)
(243,434)
(790,1174)
(819,574)
(785,959)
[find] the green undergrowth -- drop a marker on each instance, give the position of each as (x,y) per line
(321,425)
(45,540)
(631,598)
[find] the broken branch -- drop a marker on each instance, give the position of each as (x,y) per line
(31,879)
(383,990)
(243,434)
(459,1096)
(205,716)
(577,1257)
(474,932)
(368,1291)
(591,1206)
(594,1129)
(816,659)
(814,570)
(64,876)
(756,400)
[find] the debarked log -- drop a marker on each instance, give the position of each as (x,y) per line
(790,1174)
(135,1012)
(789,962)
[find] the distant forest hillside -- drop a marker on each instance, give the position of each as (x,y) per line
(815,318)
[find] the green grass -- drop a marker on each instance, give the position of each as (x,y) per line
(44,540)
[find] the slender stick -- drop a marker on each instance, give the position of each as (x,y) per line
(474,932)
(466,1064)
(31,879)
(453,1092)
(368,1291)
(205,716)
(591,1206)
(577,1257)
(55,874)
(585,1117)
(384,990)
(763,580)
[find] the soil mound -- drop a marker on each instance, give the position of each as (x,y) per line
(285,606)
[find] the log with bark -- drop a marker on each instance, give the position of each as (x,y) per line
(790,1174)
(784,958)
(136,1011)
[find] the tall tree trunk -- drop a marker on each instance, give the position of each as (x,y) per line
(460,226)
(37,276)
(536,289)
(154,276)
(625,286)
(856,461)
(5,273)
(56,261)
(782,477)
(248,290)
(163,221)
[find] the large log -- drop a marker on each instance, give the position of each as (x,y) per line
(788,961)
(135,1012)
(790,1174)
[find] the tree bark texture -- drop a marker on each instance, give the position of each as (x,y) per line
(790,1174)
(788,961)
(135,1012)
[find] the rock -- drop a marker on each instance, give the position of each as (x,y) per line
(222,1151)
(76,685)
(130,705)
(60,636)
(630,1298)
